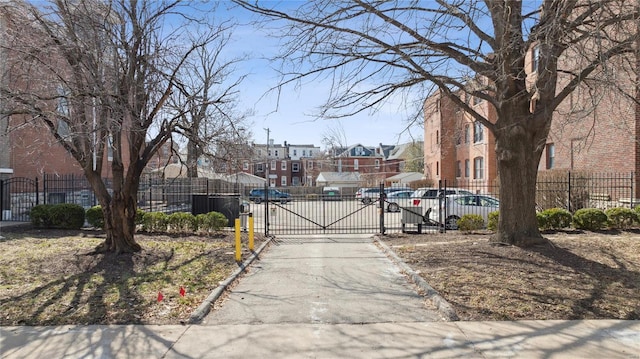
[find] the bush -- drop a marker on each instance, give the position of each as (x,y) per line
(470,222)
(492,220)
(542,218)
(591,219)
(181,222)
(621,218)
(95,217)
(64,215)
(154,222)
(211,222)
(139,216)
(555,218)
(40,215)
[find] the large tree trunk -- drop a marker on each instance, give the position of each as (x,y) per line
(119,226)
(518,154)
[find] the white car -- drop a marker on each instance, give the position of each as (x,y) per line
(394,197)
(456,206)
(425,198)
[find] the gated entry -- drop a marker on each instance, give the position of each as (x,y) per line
(334,214)
(17,196)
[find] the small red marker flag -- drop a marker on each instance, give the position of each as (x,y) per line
(182,291)
(160,297)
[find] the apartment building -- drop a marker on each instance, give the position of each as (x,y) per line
(457,149)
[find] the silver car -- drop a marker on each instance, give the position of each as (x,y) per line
(456,206)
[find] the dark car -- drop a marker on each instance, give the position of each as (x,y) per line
(258,195)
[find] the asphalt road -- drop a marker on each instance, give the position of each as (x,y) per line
(323,280)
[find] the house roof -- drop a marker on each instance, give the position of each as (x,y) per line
(399,151)
(405,177)
(338,177)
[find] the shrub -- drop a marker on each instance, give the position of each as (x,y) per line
(181,222)
(542,218)
(95,217)
(139,216)
(210,222)
(590,219)
(67,216)
(621,218)
(555,218)
(470,222)
(492,220)
(154,222)
(40,216)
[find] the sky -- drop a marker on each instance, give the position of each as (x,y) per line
(291,118)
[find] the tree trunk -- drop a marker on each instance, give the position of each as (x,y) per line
(119,219)
(518,168)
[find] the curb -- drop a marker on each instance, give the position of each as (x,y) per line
(441,304)
(204,308)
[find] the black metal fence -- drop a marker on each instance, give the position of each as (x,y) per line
(310,210)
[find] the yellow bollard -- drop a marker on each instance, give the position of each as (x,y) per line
(238,244)
(251,231)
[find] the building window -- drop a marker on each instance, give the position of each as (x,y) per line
(478,168)
(310,153)
(466,133)
(245,165)
(377,164)
(551,155)
(273,165)
(295,167)
(478,132)
(283,165)
(437,168)
(310,165)
(355,164)
(295,181)
(276,153)
(304,153)
(109,148)
(466,168)
(259,167)
(458,169)
(535,58)
(283,181)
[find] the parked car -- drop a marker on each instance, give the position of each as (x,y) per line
(456,206)
(331,194)
(425,197)
(368,195)
(397,196)
(258,195)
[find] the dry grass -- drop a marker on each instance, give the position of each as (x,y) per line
(52,278)
(575,276)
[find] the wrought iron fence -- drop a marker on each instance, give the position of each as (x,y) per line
(568,190)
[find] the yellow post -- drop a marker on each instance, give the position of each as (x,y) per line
(251,231)
(238,244)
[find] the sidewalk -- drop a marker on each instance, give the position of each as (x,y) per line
(325,297)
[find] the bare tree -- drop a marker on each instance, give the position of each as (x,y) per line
(212,126)
(98,75)
(373,50)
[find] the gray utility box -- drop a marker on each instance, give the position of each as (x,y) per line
(412,215)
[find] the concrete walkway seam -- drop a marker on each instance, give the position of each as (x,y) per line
(204,308)
(441,304)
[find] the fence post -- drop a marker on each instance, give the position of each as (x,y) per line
(37,192)
(569,187)
(1,199)
(632,192)
(150,195)
(44,187)
(381,201)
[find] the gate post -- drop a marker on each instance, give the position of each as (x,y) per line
(381,201)
(37,192)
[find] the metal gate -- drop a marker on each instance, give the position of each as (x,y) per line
(331,214)
(17,196)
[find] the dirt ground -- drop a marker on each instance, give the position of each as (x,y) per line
(577,275)
(52,277)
